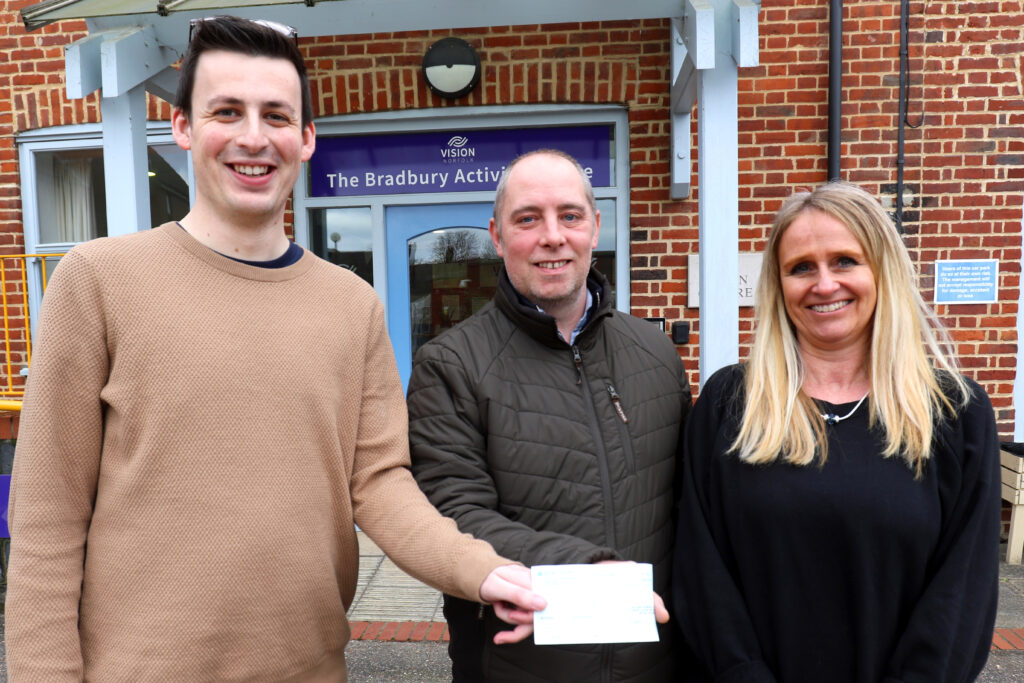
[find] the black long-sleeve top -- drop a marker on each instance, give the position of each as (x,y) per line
(848,572)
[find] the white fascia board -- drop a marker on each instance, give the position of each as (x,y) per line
(381,16)
(374,16)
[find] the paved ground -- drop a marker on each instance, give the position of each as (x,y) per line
(1004,665)
(377,662)
(386,593)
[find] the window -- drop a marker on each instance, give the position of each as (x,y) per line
(344,236)
(604,254)
(70,195)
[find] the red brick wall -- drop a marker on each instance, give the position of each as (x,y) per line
(963,164)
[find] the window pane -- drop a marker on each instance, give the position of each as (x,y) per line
(604,254)
(168,184)
(72,204)
(344,237)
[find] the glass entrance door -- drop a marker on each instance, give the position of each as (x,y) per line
(442,268)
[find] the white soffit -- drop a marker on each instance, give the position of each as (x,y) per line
(342,17)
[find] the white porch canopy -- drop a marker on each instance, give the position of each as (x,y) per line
(132,44)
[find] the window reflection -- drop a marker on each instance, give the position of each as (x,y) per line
(453,273)
(604,254)
(344,237)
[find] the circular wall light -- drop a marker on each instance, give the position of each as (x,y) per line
(451,68)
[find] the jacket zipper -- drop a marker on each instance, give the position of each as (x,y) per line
(602,452)
(627,442)
(617,402)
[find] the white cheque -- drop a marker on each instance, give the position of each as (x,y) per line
(595,603)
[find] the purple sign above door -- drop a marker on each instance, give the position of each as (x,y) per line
(447,161)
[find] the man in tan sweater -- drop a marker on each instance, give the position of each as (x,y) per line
(210,408)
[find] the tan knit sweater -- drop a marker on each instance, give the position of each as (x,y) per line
(198,437)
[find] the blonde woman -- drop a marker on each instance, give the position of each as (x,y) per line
(840,514)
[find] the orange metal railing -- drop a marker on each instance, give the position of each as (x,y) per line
(17,340)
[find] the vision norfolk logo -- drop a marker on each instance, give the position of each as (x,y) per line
(458,150)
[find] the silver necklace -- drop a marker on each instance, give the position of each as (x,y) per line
(832,418)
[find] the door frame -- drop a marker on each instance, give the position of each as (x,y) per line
(403,223)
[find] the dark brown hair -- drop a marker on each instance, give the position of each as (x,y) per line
(234,34)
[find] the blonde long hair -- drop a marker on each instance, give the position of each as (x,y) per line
(908,346)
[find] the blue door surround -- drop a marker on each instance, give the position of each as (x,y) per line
(403,223)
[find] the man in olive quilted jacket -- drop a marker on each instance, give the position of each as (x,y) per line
(547,424)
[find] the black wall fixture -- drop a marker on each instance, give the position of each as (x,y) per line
(451,68)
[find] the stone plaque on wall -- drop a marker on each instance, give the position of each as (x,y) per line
(750,269)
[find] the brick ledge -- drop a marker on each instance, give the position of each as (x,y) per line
(1008,639)
(437,631)
(407,631)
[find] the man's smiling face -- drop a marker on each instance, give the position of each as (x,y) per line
(546,232)
(245,134)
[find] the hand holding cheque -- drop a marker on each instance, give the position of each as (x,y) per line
(556,603)
(625,613)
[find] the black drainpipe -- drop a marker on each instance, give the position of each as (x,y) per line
(835,85)
(904,58)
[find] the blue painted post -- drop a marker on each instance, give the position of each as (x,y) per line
(718,201)
(125,161)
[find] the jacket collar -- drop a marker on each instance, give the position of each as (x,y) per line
(542,326)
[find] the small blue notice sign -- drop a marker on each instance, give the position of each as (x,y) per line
(970,281)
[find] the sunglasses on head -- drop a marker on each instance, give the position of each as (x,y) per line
(283,29)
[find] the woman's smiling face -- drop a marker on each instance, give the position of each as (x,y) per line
(827,284)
